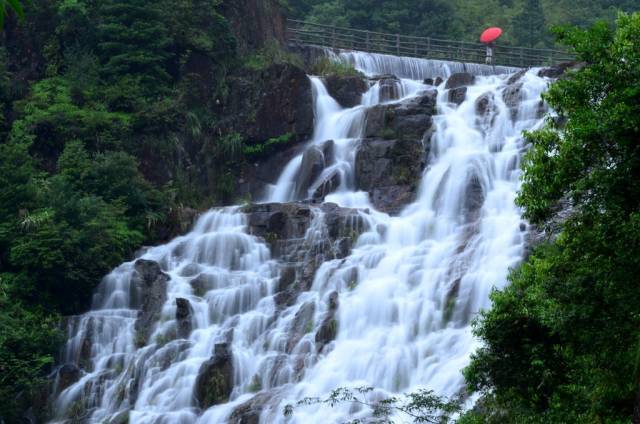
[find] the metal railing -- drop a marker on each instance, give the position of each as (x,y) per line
(308,33)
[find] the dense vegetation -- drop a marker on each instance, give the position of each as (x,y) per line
(96,99)
(525,22)
(562,341)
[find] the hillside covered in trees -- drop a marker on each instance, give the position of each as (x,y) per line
(525,22)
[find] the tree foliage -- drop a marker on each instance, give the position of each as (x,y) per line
(525,22)
(94,100)
(562,342)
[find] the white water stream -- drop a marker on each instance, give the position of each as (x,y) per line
(407,292)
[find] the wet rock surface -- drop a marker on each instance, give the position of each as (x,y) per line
(184,316)
(329,326)
(151,284)
(66,375)
(346,90)
(409,119)
(457,95)
(215,378)
(313,162)
(457,86)
(460,79)
(284,226)
(390,170)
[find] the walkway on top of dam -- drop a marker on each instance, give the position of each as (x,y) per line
(334,37)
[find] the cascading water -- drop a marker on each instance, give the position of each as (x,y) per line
(407,290)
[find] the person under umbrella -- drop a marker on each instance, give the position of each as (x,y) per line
(488,37)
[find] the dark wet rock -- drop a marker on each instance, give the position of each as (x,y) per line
(184,317)
(512,96)
(346,90)
(190,270)
(287,277)
(284,227)
(203,283)
(66,375)
(428,81)
(559,70)
(485,104)
(410,119)
(151,283)
(215,378)
(249,411)
(389,89)
(329,326)
(277,222)
(328,149)
(473,199)
(460,79)
(390,170)
(302,324)
(259,173)
(312,165)
(327,186)
(516,77)
(438,81)
(457,95)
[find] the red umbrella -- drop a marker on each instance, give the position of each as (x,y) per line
(490,34)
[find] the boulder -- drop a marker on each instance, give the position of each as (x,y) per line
(327,186)
(485,104)
(66,375)
(184,317)
(473,199)
(390,170)
(516,77)
(346,90)
(329,326)
(557,71)
(249,412)
(409,119)
(312,165)
(457,95)
(460,79)
(328,149)
(512,95)
(302,324)
(389,89)
(215,378)
(151,284)
(284,227)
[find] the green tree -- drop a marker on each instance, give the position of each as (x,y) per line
(529,26)
(132,46)
(562,341)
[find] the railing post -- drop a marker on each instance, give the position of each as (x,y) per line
(398,44)
(368,48)
(428,47)
(521,56)
(415,48)
(333,37)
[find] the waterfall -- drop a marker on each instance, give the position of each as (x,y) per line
(401,299)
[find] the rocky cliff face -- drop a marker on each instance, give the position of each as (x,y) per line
(255,23)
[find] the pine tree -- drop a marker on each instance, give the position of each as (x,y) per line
(133,43)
